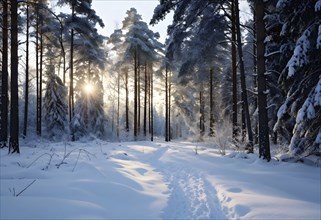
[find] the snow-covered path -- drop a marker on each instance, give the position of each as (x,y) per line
(190,195)
(143,180)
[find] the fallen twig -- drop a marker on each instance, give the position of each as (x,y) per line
(26,188)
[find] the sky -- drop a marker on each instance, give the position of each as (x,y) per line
(113,12)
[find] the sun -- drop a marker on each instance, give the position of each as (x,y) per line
(89,88)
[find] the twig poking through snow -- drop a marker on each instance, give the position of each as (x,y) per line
(50,155)
(76,161)
(87,153)
(26,188)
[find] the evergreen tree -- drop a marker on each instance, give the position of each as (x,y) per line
(89,116)
(195,45)
(245,105)
(275,62)
(82,21)
(300,78)
(140,47)
(114,43)
(55,106)
(90,59)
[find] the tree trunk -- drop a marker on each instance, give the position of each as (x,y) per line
(138,95)
(118,105)
(63,55)
(71,75)
(264,143)
(145,100)
(40,83)
(113,118)
(243,82)
(14,113)
(234,74)
(255,77)
(4,78)
(149,102)
(151,108)
(169,108)
(127,100)
(211,105)
(166,104)
(243,122)
(202,119)
(25,120)
(135,94)
(37,70)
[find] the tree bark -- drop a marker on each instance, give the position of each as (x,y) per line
(243,122)
(211,105)
(166,104)
(14,113)
(264,143)
(40,83)
(25,121)
(138,95)
(135,94)
(71,74)
(202,119)
(37,69)
(256,130)
(243,82)
(149,102)
(118,105)
(151,108)
(145,100)
(127,100)
(4,78)
(169,107)
(234,75)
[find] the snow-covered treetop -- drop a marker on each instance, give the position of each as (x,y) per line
(83,7)
(138,37)
(195,36)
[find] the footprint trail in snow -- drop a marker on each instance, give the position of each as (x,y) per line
(190,195)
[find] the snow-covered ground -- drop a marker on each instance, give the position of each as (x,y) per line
(144,180)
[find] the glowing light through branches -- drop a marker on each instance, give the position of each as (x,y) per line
(89,89)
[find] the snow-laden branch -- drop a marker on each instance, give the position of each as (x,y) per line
(272,53)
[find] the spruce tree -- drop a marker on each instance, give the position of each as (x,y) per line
(55,106)
(300,78)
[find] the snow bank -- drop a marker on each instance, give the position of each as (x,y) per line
(143,180)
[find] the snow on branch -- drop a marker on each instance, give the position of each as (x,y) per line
(300,54)
(272,53)
(307,111)
(282,110)
(281,4)
(318,6)
(308,108)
